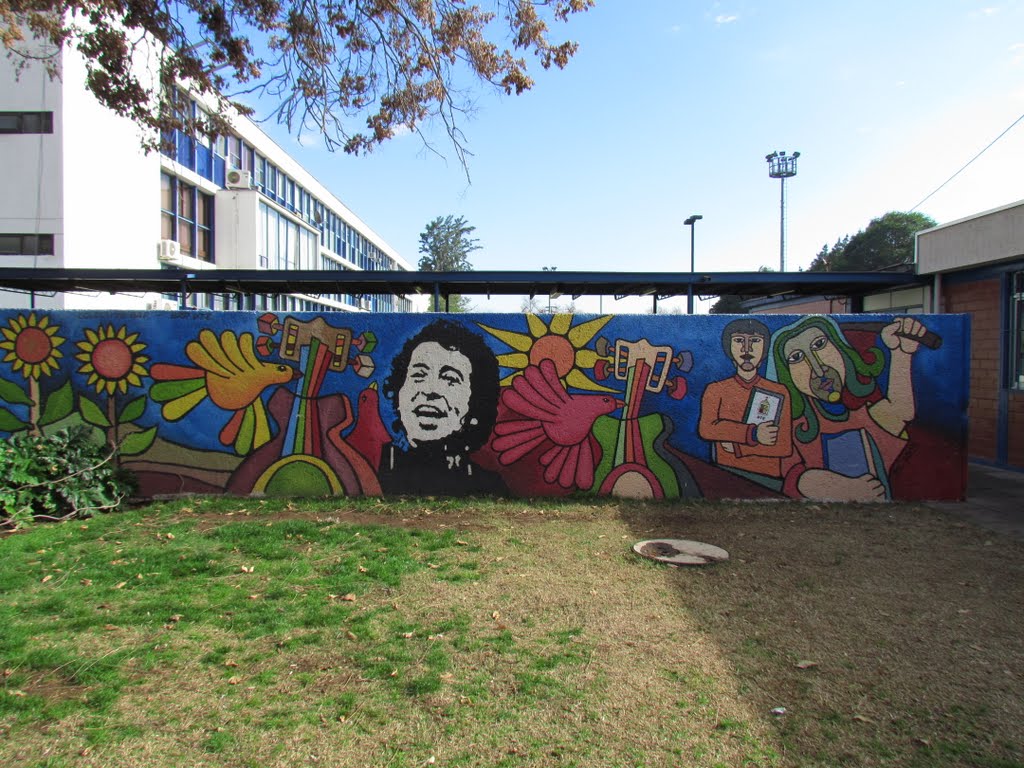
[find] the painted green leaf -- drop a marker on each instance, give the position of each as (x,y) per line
(137,442)
(133,410)
(92,413)
(58,405)
(12,393)
(9,422)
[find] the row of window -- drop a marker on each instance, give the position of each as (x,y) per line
(186,215)
(212,158)
(20,244)
(26,122)
(281,303)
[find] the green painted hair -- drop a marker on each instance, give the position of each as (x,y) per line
(857,369)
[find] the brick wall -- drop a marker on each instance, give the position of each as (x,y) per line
(982,301)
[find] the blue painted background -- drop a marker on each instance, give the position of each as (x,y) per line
(301,404)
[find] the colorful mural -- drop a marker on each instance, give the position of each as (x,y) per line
(855,407)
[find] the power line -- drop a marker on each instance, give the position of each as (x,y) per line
(986,149)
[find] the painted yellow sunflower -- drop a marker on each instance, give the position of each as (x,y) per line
(111,359)
(31,345)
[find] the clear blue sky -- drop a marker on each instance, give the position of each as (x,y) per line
(669,108)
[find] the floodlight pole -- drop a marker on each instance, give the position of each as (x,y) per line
(782,167)
(690,222)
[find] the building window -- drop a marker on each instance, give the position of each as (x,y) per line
(1017,331)
(26,122)
(186,215)
(13,244)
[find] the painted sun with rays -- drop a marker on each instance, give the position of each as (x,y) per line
(559,341)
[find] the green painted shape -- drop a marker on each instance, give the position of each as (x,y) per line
(9,422)
(92,413)
(246,432)
(299,479)
(13,394)
(369,342)
(607,430)
(164,391)
(58,405)
(133,410)
(137,442)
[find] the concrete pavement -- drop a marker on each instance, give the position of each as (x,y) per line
(995,500)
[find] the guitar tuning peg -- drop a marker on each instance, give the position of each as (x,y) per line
(677,388)
(684,360)
(268,324)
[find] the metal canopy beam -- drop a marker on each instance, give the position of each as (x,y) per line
(316,282)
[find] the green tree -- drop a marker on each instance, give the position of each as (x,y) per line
(446,244)
(728,304)
(355,71)
(887,241)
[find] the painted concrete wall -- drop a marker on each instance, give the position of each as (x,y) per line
(843,407)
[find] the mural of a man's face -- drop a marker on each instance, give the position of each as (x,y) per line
(815,364)
(747,350)
(433,401)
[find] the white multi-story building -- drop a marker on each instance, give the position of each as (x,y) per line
(78,191)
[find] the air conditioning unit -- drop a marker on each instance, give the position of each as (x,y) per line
(162,304)
(168,250)
(237,179)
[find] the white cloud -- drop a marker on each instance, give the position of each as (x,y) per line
(724,18)
(675,29)
(1017,53)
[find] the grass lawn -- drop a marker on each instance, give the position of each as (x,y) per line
(244,632)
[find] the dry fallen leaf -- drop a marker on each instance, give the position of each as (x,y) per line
(175,617)
(862,719)
(234,680)
(407,635)
(349,598)
(230,663)
(255,597)
(118,586)
(805,664)
(351,635)
(495,615)
(247,568)
(462,543)
(171,535)
(86,582)
(363,569)
(47,577)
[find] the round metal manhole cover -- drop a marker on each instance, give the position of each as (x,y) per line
(680,551)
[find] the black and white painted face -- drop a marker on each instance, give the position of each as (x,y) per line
(434,399)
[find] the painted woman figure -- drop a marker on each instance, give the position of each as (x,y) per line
(847,433)
(444,387)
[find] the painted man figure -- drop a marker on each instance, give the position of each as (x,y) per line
(444,388)
(747,417)
(846,433)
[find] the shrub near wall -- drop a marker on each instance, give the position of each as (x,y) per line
(841,407)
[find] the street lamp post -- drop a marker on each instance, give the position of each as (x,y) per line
(690,221)
(782,167)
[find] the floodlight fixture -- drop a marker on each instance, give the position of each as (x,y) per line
(782,166)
